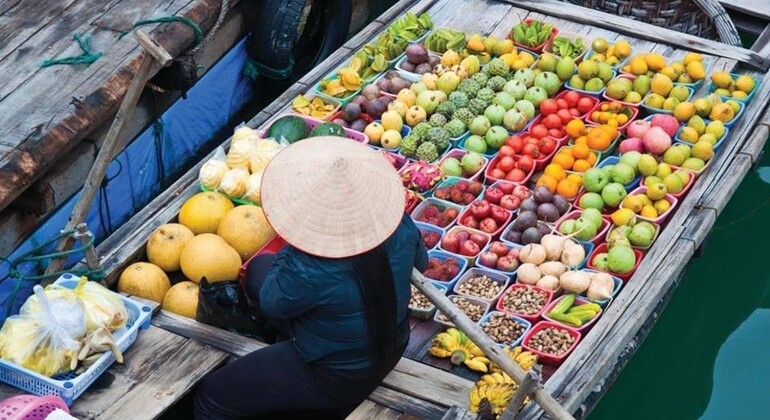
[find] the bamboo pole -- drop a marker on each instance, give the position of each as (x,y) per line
(489,347)
(530,383)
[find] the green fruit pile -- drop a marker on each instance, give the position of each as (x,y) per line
(531,34)
(585,227)
(411,27)
(444,39)
(568,48)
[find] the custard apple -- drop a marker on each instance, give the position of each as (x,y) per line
(427,152)
(477,106)
(498,67)
(446,109)
(455,128)
(486,95)
(465,115)
(409,145)
(437,120)
(496,83)
(459,99)
(438,136)
(421,130)
(480,78)
(469,87)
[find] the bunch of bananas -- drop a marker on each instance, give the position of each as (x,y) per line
(411,27)
(492,393)
(525,359)
(454,344)
(441,40)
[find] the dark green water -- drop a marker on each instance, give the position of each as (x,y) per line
(707,356)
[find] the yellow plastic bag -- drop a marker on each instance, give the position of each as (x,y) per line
(103,307)
(45,336)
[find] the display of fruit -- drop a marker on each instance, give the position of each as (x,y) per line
(613,114)
(346,82)
(503,329)
(420,176)
(410,26)
(462,193)
(536,144)
(558,180)
(597,138)
(531,33)
(393,83)
(565,47)
(510,167)
(418,60)
(441,40)
(727,86)
(388,45)
(623,88)
(455,345)
(485,216)
(591,76)
(612,54)
(585,227)
(551,340)
(524,300)
(464,242)
(442,270)
(471,309)
(482,287)
(316,107)
(664,94)
(690,69)
(570,312)
(430,238)
(499,256)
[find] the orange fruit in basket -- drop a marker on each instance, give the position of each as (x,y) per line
(565,160)
(575,128)
(581,165)
(592,158)
(567,188)
(576,178)
(581,151)
(581,140)
(622,119)
(548,182)
(555,171)
(612,132)
(612,122)
(598,139)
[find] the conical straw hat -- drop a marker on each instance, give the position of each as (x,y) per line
(332,197)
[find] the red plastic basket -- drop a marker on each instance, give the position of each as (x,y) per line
(548,358)
(533,317)
(272,247)
(578,301)
(537,48)
(603,248)
(489,179)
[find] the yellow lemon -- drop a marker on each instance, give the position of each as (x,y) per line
(622,217)
(649,212)
(655,61)
(621,49)
(662,206)
(696,70)
(691,57)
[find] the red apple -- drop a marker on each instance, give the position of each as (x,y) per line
(451,242)
(564,115)
(572,98)
(498,248)
(548,145)
(516,175)
(552,121)
(522,192)
(505,163)
(526,163)
(463,235)
(510,202)
(478,239)
(471,222)
(499,214)
(480,209)
(531,150)
(492,195)
(506,187)
(584,105)
(488,259)
(488,225)
(513,253)
(549,106)
(507,264)
(562,103)
(497,173)
(516,143)
(538,131)
(469,248)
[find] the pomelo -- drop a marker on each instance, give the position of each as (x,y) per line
(246,229)
(208,255)
(165,245)
(202,212)
(144,280)
(182,299)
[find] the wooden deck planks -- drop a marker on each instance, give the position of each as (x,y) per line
(758,8)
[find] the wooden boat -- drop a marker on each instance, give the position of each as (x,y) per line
(422,387)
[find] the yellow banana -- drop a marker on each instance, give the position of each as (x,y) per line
(454,332)
(439,352)
(476,365)
(475,398)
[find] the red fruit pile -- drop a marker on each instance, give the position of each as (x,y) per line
(500,257)
(463,242)
(429,238)
(510,166)
(485,216)
(507,195)
(438,217)
(535,144)
(442,270)
(556,113)
(463,192)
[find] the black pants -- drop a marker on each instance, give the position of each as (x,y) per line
(274,382)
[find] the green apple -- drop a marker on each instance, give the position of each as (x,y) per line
(595,179)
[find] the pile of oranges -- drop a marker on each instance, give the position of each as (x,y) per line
(558,181)
(613,114)
(597,138)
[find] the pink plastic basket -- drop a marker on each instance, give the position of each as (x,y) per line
(31,407)
(351,134)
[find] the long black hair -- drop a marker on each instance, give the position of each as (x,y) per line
(374,279)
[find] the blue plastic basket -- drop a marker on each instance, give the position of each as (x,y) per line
(443,256)
(527,325)
(663,111)
(427,226)
(70,386)
(745,100)
(717,145)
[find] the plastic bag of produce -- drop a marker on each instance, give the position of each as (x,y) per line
(264,152)
(45,336)
(223,304)
(242,132)
(213,170)
(253,188)
(103,307)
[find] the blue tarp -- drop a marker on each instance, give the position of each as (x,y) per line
(134,177)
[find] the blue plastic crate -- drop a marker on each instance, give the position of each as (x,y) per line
(747,99)
(527,325)
(652,110)
(614,160)
(70,386)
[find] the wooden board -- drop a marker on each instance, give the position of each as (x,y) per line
(157,372)
(758,8)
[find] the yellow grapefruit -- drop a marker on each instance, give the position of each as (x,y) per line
(144,280)
(165,245)
(246,229)
(208,255)
(182,299)
(202,212)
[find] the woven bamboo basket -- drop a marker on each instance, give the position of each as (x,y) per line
(703,18)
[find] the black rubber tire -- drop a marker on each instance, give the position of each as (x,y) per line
(275,39)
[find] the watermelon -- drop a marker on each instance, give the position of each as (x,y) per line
(290,128)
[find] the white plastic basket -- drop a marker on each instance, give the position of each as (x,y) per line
(70,386)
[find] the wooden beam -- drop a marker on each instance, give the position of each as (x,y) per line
(642,30)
